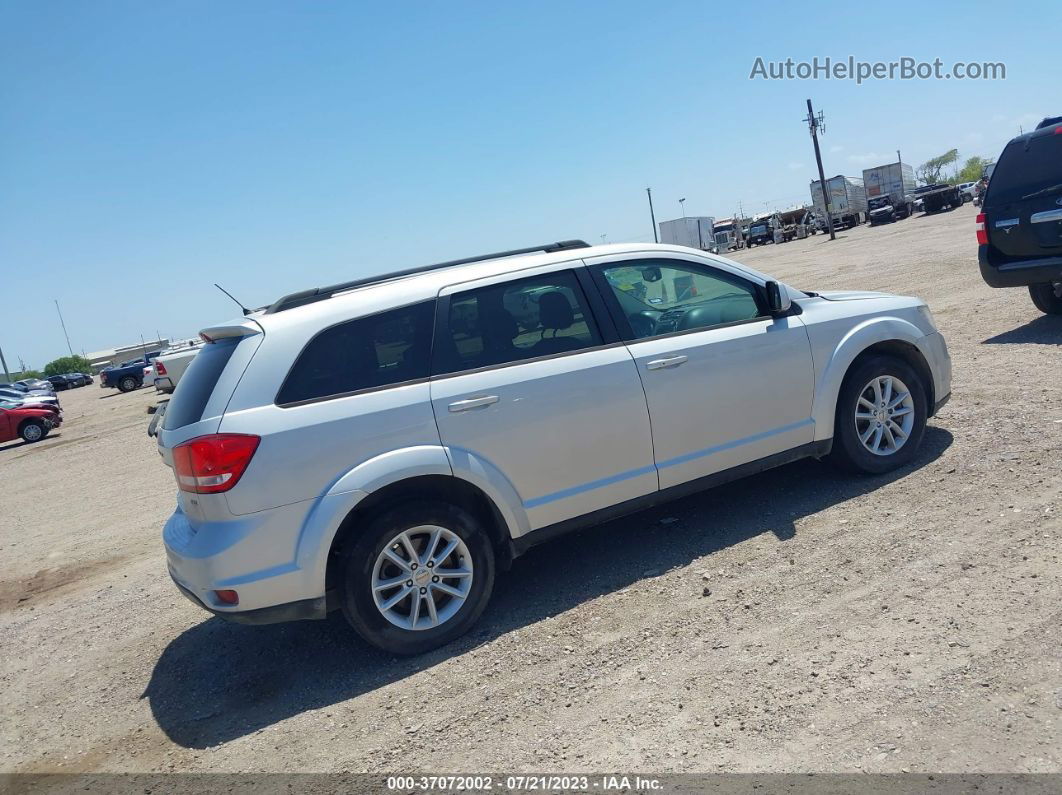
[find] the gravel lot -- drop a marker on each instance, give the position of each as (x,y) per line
(906,622)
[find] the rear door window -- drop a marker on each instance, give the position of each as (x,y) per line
(512,321)
(368,353)
(197,384)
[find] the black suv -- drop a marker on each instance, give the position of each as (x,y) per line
(1020,226)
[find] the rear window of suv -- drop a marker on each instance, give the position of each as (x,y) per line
(1027,166)
(368,353)
(197,384)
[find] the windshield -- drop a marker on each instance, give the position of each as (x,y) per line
(1026,167)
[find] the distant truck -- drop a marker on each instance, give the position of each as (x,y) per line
(848,200)
(764,229)
(889,189)
(127,376)
(938,197)
(725,233)
(170,366)
(694,232)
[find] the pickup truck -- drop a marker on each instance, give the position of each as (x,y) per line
(127,376)
(170,366)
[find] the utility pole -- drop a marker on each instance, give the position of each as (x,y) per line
(57,309)
(652,215)
(816,123)
(3,361)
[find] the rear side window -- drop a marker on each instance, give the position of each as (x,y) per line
(370,352)
(1023,171)
(508,322)
(197,384)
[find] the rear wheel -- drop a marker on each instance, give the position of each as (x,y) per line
(33,431)
(1047,297)
(881,416)
(127,384)
(418,577)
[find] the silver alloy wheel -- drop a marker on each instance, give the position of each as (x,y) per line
(32,432)
(422,577)
(884,415)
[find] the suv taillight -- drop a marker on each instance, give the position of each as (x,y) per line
(982,233)
(214,463)
(160,368)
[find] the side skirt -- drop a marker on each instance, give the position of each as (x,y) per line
(549,532)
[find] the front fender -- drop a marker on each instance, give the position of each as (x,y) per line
(840,358)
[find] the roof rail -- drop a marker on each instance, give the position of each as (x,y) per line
(322,293)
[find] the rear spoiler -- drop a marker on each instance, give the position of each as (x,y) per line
(237,328)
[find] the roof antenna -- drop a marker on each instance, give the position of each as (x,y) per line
(243,309)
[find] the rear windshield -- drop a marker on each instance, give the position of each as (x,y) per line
(1021,172)
(196,385)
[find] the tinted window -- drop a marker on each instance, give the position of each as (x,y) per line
(197,384)
(374,351)
(665,296)
(517,320)
(1024,170)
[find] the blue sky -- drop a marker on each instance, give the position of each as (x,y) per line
(148,150)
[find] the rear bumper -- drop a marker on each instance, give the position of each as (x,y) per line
(1019,273)
(164,384)
(252,555)
(312,609)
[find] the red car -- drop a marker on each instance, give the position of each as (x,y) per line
(31,423)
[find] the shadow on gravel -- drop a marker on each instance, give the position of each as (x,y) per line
(217,681)
(1043,330)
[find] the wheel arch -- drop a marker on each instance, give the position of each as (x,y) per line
(879,336)
(444,488)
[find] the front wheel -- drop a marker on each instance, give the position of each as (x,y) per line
(881,416)
(418,577)
(33,431)
(1047,297)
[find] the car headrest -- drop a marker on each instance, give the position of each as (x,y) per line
(554,311)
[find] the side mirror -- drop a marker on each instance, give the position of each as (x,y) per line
(778,302)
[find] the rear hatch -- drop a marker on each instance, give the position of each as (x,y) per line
(1023,206)
(199,401)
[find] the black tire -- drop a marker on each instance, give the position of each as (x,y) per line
(848,452)
(127,384)
(1046,298)
(32,431)
(359,561)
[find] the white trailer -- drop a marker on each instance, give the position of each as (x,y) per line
(848,200)
(695,232)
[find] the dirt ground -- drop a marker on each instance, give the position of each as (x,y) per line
(910,622)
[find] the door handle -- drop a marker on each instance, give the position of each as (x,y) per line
(1046,217)
(667,361)
(472,403)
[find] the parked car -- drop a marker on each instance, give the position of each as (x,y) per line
(35,383)
(30,423)
(171,365)
(127,376)
(349,447)
(967,190)
(1019,229)
(28,396)
(60,382)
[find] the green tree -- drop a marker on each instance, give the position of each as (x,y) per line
(929,172)
(972,169)
(68,364)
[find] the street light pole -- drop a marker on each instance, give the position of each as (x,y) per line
(63,324)
(652,215)
(682,205)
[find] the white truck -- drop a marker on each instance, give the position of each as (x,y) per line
(171,364)
(694,232)
(848,200)
(889,190)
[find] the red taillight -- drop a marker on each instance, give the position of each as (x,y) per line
(982,233)
(213,464)
(160,368)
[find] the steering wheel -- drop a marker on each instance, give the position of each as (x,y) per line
(643,324)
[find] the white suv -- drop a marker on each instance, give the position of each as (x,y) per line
(384,446)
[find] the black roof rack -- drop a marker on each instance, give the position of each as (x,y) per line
(322,293)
